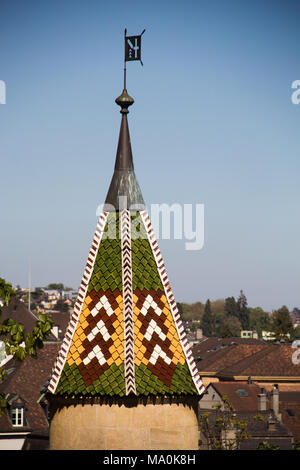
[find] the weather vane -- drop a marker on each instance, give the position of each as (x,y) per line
(133,46)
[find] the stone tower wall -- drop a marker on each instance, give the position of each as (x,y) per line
(119,426)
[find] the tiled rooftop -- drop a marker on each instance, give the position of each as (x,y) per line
(125,335)
(246,401)
(230,358)
(27,380)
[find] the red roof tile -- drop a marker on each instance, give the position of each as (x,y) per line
(226,359)
(244,401)
(27,380)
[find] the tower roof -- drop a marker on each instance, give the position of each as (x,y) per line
(124,191)
(125,335)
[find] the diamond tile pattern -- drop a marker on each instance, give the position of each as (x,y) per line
(159,357)
(96,360)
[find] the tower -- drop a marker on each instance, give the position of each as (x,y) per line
(125,377)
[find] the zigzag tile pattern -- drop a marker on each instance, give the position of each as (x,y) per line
(98,340)
(127,296)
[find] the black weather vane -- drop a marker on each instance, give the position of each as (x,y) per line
(133,45)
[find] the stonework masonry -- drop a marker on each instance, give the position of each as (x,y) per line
(117,426)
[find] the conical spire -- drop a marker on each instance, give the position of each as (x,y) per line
(125,336)
(124,191)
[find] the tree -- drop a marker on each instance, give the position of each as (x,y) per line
(231,327)
(295,333)
(17,343)
(221,429)
(281,324)
(264,445)
(207,322)
(259,320)
(231,307)
(61,306)
(243,311)
(180,309)
(218,312)
(56,286)
(297,444)
(192,311)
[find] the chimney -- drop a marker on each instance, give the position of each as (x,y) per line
(275,401)
(199,334)
(262,400)
(54,331)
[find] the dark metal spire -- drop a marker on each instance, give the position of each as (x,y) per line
(124,191)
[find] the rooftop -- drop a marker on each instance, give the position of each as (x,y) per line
(26,379)
(231,358)
(241,395)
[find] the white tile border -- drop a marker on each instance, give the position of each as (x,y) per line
(62,355)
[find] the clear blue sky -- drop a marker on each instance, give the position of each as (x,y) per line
(212,123)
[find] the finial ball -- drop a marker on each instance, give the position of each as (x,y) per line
(124,100)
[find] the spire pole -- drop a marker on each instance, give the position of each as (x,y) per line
(125,31)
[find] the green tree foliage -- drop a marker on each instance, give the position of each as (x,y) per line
(264,445)
(239,309)
(221,429)
(281,324)
(295,333)
(192,311)
(17,343)
(208,321)
(231,307)
(61,306)
(229,316)
(297,444)
(231,327)
(180,309)
(259,320)
(243,311)
(56,286)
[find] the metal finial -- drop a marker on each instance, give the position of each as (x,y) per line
(124,100)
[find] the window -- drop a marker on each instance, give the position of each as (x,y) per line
(17,416)
(242,392)
(16,409)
